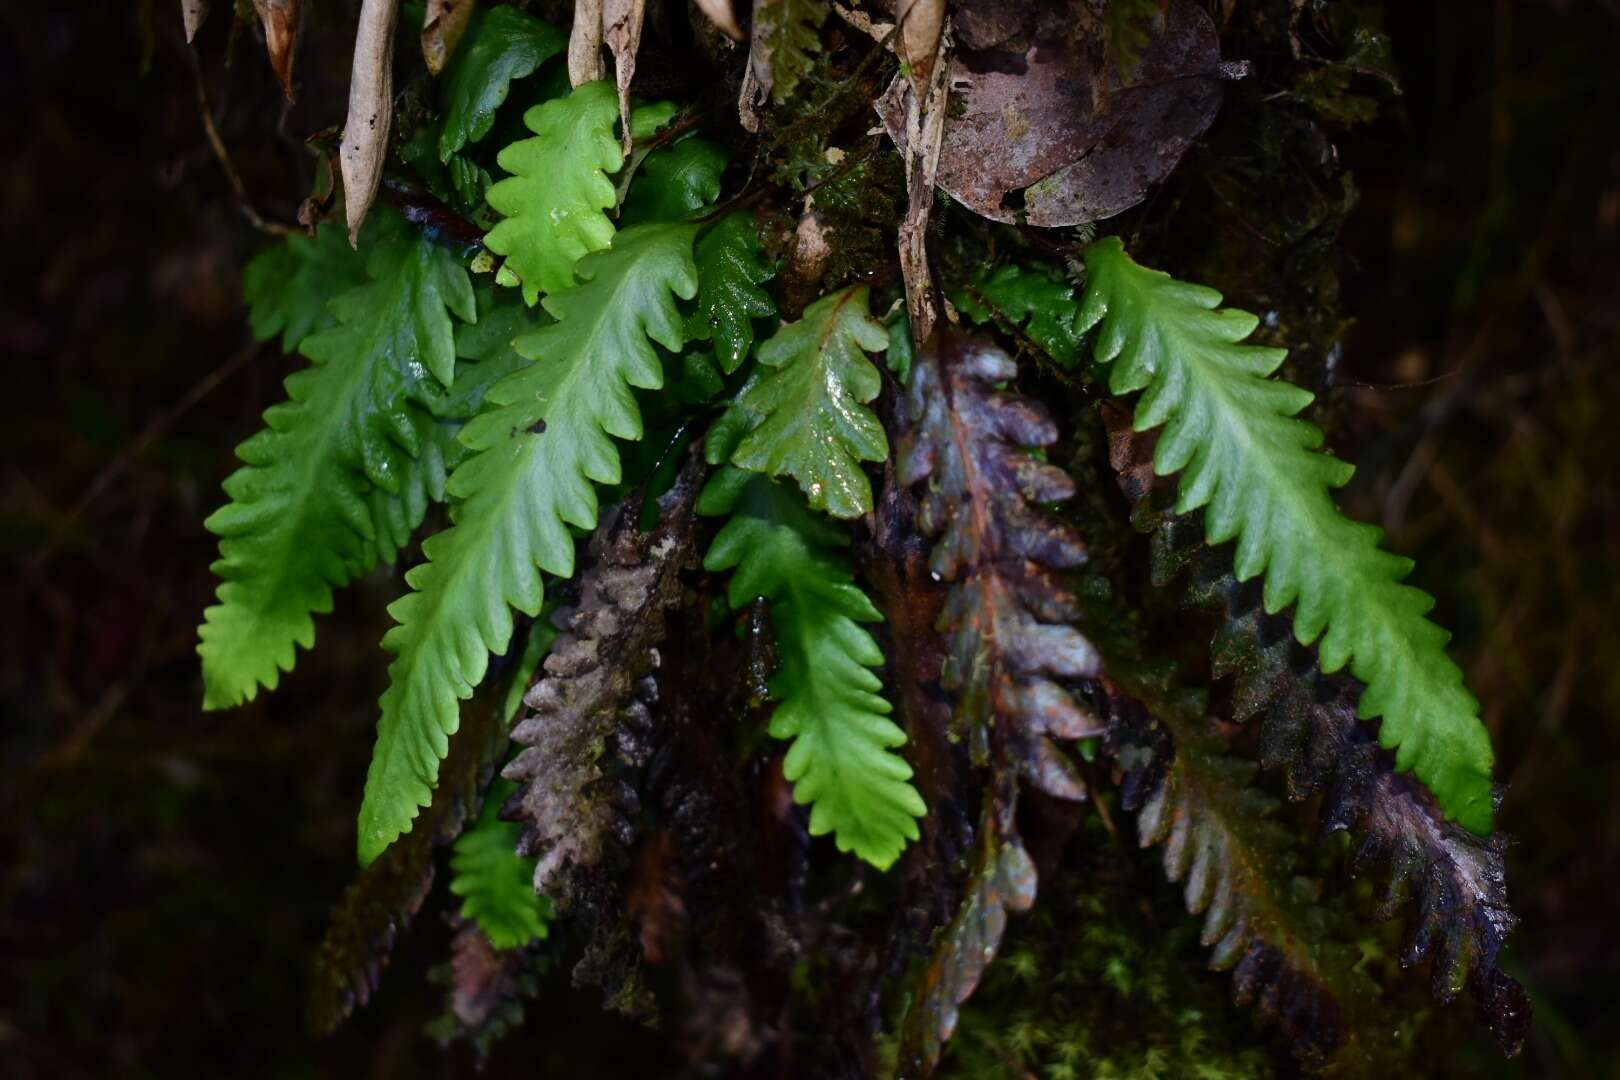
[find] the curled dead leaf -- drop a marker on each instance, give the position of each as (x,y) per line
(1039,129)
(280,21)
(192,15)
(724,18)
(371,104)
(621,26)
(585,43)
(442,27)
(921,23)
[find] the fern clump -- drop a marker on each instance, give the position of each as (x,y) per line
(359,420)
(539,448)
(853,653)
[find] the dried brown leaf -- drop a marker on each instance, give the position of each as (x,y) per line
(1036,111)
(589,710)
(921,23)
(193,13)
(585,43)
(621,26)
(280,21)
(723,16)
(371,109)
(442,27)
(386,895)
(927,100)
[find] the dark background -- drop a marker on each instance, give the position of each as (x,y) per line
(165,875)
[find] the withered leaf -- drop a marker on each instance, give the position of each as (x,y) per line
(371,111)
(1008,612)
(1035,110)
(446,21)
(1231,857)
(386,895)
(585,43)
(1002,880)
(280,21)
(921,23)
(723,16)
(1009,647)
(621,26)
(589,709)
(1453,881)
(486,989)
(192,15)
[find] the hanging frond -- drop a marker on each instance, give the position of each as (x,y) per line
(588,714)
(1456,881)
(1002,880)
(289,284)
(359,420)
(556,199)
(971,452)
(1037,301)
(542,443)
(842,760)
(1007,616)
(387,894)
(1257,471)
(674,182)
(486,991)
(1234,862)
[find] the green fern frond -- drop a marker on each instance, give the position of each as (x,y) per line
(731,269)
(1040,302)
(810,404)
(842,761)
(495,883)
(484,357)
(287,285)
(544,439)
(342,471)
(501,45)
(556,199)
(674,182)
(1257,469)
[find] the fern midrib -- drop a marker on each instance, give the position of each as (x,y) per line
(806,404)
(991,584)
(799,615)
